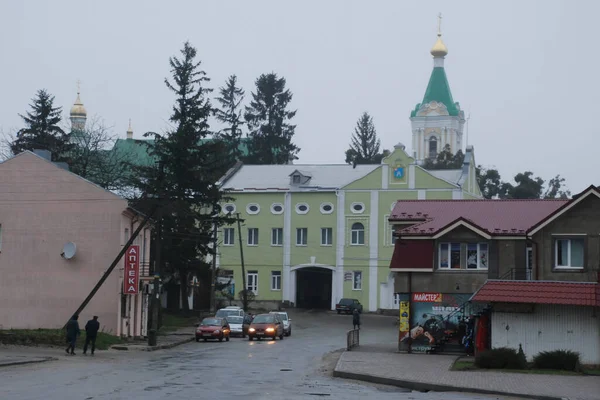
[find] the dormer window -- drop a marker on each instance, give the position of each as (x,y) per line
(296,179)
(299,178)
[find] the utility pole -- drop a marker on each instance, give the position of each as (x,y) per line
(244,294)
(214,269)
(155,299)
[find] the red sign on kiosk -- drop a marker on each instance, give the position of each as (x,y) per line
(131,276)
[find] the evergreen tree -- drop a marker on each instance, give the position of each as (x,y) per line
(364,145)
(230,114)
(270,132)
(42,130)
(445,160)
(191,166)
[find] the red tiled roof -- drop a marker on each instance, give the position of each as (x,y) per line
(496,217)
(539,292)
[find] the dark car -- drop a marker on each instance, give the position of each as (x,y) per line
(266,326)
(348,306)
(213,328)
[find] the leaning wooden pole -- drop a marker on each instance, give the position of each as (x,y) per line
(115,262)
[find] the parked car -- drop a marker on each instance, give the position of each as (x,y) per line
(287,322)
(230,311)
(266,325)
(348,306)
(238,325)
(213,328)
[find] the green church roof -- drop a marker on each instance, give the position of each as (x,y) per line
(139,149)
(438,89)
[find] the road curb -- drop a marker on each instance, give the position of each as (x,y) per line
(13,363)
(425,386)
(153,348)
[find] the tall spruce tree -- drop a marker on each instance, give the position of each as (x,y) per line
(42,129)
(191,165)
(270,132)
(230,114)
(364,145)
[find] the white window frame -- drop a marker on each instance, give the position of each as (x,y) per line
(253,205)
(463,256)
(357,203)
(328,235)
(252,234)
(276,280)
(325,211)
(570,240)
(228,236)
(303,236)
(254,287)
(277,238)
(0,238)
(277,212)
(354,285)
(357,231)
(298,211)
(528,264)
(224,209)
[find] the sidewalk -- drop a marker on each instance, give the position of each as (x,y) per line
(166,341)
(432,372)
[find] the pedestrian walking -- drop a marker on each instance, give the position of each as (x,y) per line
(72,333)
(356,319)
(91,332)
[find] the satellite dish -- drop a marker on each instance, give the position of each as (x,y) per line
(69,250)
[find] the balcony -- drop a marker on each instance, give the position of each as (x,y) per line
(518,274)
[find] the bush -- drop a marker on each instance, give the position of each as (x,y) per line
(500,358)
(557,359)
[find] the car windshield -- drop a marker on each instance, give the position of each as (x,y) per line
(235,320)
(264,319)
(211,322)
(283,316)
(346,302)
(226,313)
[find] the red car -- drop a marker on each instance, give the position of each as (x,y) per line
(266,326)
(213,328)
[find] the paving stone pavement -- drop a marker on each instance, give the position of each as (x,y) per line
(435,370)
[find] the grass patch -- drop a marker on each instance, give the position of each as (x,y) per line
(172,322)
(52,337)
(468,365)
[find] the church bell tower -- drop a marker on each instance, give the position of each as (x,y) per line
(437,121)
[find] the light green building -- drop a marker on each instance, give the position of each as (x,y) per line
(313,234)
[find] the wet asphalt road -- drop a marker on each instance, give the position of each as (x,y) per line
(293,368)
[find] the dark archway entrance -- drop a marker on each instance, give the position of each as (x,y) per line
(313,288)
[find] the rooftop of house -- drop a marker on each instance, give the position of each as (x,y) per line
(495,217)
(277,177)
(539,292)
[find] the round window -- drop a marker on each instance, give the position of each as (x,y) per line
(229,208)
(253,208)
(277,208)
(357,208)
(327,207)
(303,208)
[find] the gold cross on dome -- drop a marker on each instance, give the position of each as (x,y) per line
(440,24)
(78,86)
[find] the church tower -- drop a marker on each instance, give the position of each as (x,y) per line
(437,121)
(78,114)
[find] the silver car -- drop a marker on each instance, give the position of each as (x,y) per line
(287,322)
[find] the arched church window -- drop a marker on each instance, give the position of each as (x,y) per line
(433,147)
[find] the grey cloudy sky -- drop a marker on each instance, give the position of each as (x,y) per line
(524,70)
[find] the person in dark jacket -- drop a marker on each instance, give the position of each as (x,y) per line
(356,319)
(72,333)
(91,332)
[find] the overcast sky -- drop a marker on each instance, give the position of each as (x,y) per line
(526,71)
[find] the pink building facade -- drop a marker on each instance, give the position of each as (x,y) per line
(43,207)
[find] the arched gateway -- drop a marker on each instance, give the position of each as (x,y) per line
(312,286)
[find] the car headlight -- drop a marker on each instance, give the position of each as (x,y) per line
(217,331)
(270,330)
(251,330)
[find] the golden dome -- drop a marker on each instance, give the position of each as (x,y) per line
(78,110)
(439,49)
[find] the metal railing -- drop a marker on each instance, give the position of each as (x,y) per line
(352,339)
(518,274)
